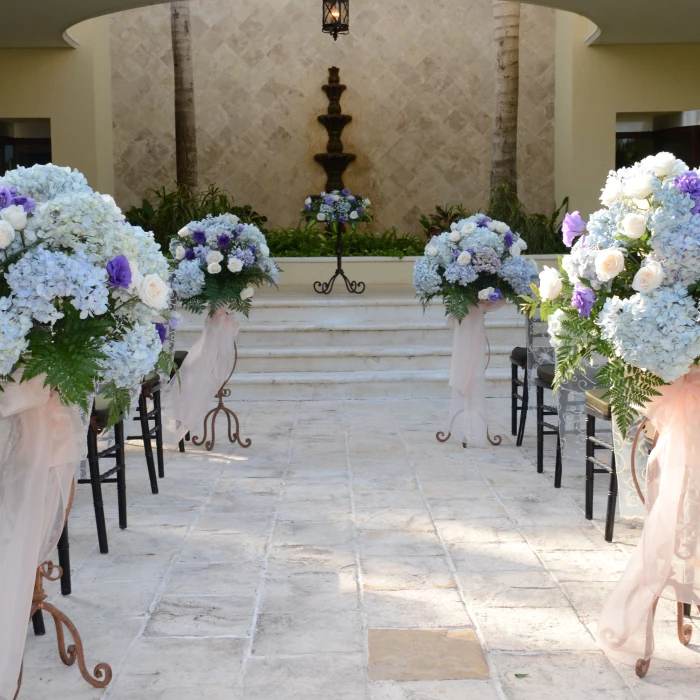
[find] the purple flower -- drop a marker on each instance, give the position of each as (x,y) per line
(359,210)
(240,228)
(308,207)
(330,201)
(199,237)
(690,184)
(224,241)
(5,197)
(27,203)
(496,296)
(174,321)
(583,299)
(346,193)
(342,219)
(573,227)
(190,254)
(508,239)
(162,332)
(253,249)
(119,272)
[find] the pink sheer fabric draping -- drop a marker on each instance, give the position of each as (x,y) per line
(468,418)
(665,564)
(206,368)
(40,442)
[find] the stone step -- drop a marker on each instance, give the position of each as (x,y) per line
(349,359)
(386,384)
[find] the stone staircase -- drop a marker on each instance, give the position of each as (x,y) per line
(298,345)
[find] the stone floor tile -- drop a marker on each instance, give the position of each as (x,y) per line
(452,488)
(506,556)
(465,508)
(393,519)
(569,538)
(415,609)
(480,530)
(392,543)
(285,558)
(587,565)
(432,690)
(328,534)
(206,578)
(334,591)
(381,572)
(366,499)
(199,692)
(425,655)
(511,589)
(206,546)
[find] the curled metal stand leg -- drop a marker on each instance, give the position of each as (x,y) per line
(102,673)
(327,287)
(233,434)
(440,436)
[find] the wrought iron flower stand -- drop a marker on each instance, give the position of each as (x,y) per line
(327,287)
(233,433)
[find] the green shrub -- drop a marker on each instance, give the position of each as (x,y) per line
(435,224)
(165,212)
(312,242)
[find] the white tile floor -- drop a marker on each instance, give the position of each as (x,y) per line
(255,574)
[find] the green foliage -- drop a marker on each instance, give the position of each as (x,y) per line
(435,224)
(312,242)
(120,401)
(165,212)
(69,355)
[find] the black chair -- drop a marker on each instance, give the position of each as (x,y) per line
(545,380)
(117,474)
(179,358)
(518,402)
(598,407)
(150,389)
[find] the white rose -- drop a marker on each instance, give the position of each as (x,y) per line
(453,226)
(468,228)
(550,283)
(247,293)
(431,250)
(353,215)
(307,201)
(183,232)
(648,277)
(464,258)
(110,200)
(214,268)
(15,216)
(491,225)
(336,197)
(179,252)
(663,163)
(321,217)
(455,236)
(7,234)
(484,294)
(366,202)
(232,218)
(500,227)
(136,277)
(609,263)
(264,250)
(214,257)
(515,250)
(642,204)
(235,265)
(640,186)
(612,191)
(634,225)
(154,292)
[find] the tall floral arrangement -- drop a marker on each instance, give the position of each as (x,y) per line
(478,259)
(338,207)
(629,288)
(219,261)
(83,295)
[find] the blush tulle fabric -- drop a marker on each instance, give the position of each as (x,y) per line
(468,418)
(206,368)
(665,564)
(40,442)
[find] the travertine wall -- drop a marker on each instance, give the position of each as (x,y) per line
(420,80)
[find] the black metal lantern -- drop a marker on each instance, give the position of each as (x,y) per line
(336,17)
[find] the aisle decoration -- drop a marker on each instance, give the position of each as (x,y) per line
(475,267)
(218,263)
(83,297)
(628,292)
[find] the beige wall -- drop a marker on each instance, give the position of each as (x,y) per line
(71,88)
(594,84)
(420,89)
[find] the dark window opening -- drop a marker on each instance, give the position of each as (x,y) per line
(24,142)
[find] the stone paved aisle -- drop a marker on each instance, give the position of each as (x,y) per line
(348,556)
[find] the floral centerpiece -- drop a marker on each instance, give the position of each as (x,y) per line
(219,260)
(337,207)
(629,289)
(477,260)
(83,295)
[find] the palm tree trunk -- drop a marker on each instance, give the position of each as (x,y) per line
(185,123)
(506,17)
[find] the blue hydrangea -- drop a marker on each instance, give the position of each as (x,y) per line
(188,279)
(518,272)
(45,182)
(14,329)
(658,331)
(426,277)
(460,274)
(42,277)
(131,357)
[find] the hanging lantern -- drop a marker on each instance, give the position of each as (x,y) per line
(336,17)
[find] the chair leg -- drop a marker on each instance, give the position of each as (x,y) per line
(96,484)
(121,472)
(64,561)
(147,448)
(523,411)
(159,434)
(540,430)
(181,445)
(612,501)
(590,475)
(38,624)
(558,465)
(513,398)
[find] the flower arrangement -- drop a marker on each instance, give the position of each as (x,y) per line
(337,207)
(83,295)
(219,261)
(629,288)
(477,260)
